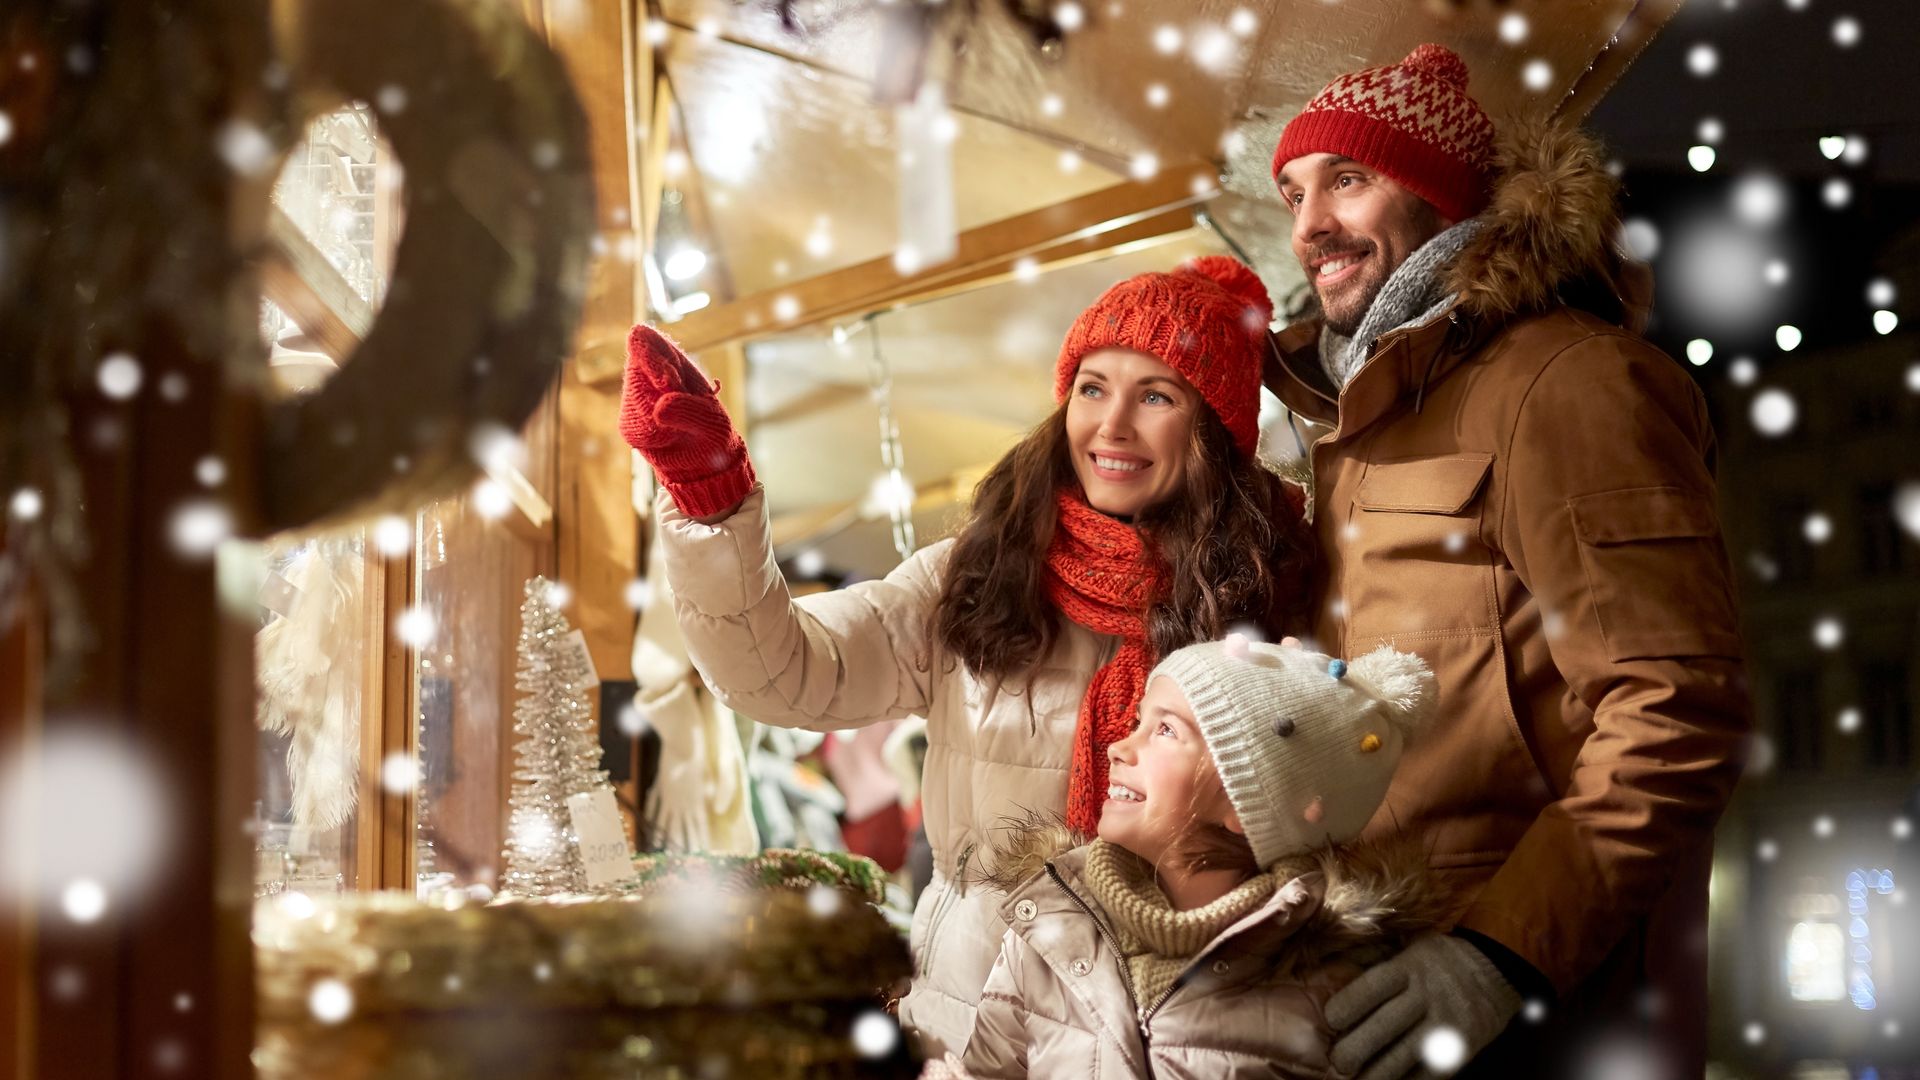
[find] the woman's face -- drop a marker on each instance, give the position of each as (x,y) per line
(1129,422)
(1161,781)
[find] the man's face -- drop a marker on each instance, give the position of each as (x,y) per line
(1352,227)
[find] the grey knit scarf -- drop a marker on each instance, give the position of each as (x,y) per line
(1415,292)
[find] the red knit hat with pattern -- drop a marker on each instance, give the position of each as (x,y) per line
(1206,320)
(1412,121)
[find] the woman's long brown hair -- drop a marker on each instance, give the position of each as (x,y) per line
(1230,546)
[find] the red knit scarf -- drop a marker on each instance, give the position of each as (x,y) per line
(1100,575)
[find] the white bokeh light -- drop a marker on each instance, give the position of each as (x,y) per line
(27,504)
(1052,105)
(1755,1033)
(1885,322)
(1773,412)
(786,307)
(638,594)
(1167,39)
(198,526)
(1787,337)
(210,471)
(1856,150)
(1906,507)
(1144,166)
(1823,826)
(1901,828)
(1513,28)
(1699,351)
(1700,158)
(1846,31)
(1703,60)
(1069,16)
(416,626)
(1829,632)
(1214,50)
(1743,371)
(810,563)
(1832,146)
(491,500)
(1818,528)
(1881,293)
(392,536)
(399,773)
(83,817)
(1537,75)
(1243,22)
(1443,1049)
(1710,130)
(119,376)
(1848,721)
(1760,199)
(1641,238)
(1069,162)
(330,1001)
(1836,193)
(875,1034)
(1778,272)
(84,900)
(1766,850)
(1158,95)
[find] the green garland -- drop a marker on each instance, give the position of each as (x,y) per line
(774,868)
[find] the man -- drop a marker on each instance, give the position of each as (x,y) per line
(1512,483)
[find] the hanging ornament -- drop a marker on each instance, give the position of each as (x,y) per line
(899,493)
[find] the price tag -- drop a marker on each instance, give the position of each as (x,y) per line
(577,641)
(603,843)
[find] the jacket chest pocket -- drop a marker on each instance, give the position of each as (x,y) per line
(1412,549)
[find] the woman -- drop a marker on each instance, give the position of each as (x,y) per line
(1134,520)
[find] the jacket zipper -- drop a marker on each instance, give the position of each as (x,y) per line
(946,903)
(1126,976)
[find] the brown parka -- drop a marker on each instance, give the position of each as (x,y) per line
(1521,491)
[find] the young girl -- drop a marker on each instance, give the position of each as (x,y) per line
(1202,933)
(1132,521)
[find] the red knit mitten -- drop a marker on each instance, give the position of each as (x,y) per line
(670,413)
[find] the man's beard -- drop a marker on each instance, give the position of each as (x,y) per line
(1356,296)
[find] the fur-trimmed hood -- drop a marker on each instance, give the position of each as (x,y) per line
(1374,897)
(1550,235)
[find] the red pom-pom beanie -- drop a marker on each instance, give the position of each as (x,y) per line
(1412,121)
(1206,320)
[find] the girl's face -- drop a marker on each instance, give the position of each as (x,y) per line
(1161,779)
(1129,422)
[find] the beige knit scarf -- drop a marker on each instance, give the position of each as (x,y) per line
(1158,940)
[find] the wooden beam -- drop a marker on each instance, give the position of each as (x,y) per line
(1076,223)
(297,276)
(595,530)
(1637,29)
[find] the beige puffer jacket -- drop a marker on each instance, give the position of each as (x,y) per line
(862,654)
(1059,1001)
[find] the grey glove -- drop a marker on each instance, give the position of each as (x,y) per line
(1386,1014)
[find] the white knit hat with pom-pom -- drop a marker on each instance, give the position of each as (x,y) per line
(1305,744)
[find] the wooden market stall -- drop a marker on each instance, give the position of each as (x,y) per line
(374,266)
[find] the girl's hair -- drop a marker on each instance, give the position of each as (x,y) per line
(1229,544)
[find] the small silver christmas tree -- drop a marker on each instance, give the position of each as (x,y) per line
(557,756)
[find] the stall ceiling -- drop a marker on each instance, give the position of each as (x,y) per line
(792,172)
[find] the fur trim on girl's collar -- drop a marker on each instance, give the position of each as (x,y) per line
(1375,896)
(1550,234)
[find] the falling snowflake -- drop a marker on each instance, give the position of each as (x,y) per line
(1537,75)
(210,471)
(1880,293)
(1902,828)
(1837,193)
(1703,60)
(1243,22)
(1773,412)
(1856,150)
(633,721)
(1167,39)
(1755,1033)
(399,773)
(1828,632)
(330,1001)
(245,148)
(84,900)
(1641,238)
(1823,826)
(1069,16)
(198,526)
(491,500)
(1760,199)
(1818,528)
(1848,721)
(26,504)
(1777,272)
(1513,28)
(1069,162)
(1766,851)
(119,376)
(416,626)
(1443,1049)
(1846,31)
(392,536)
(875,1034)
(1711,130)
